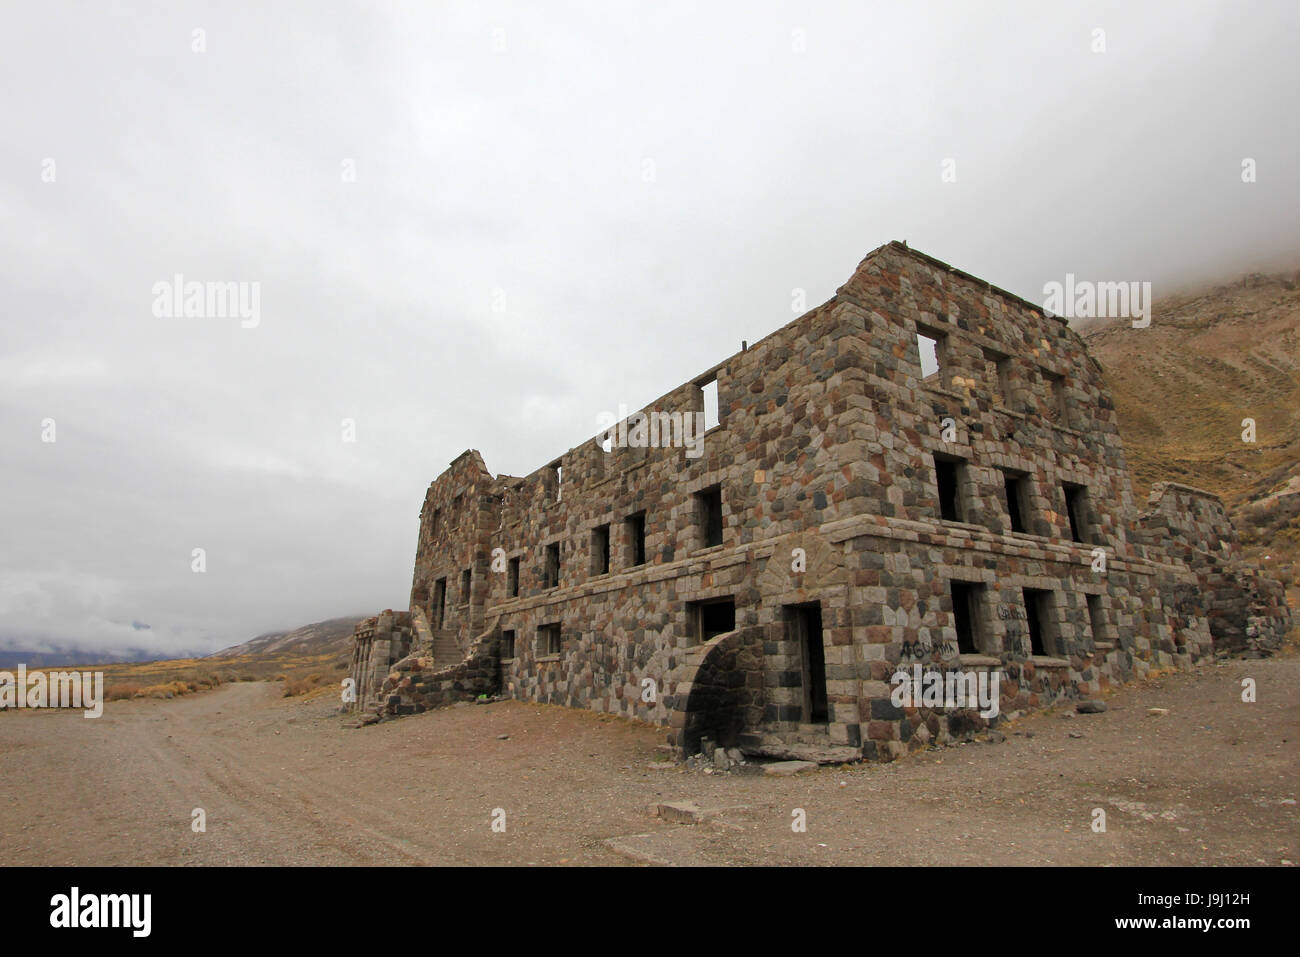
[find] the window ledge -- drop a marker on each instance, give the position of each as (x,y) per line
(507,661)
(971,526)
(1046,539)
(1047,661)
(979,660)
(542,659)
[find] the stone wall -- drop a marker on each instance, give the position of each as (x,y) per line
(376,643)
(828,457)
(1247,611)
(725,694)
(1186,521)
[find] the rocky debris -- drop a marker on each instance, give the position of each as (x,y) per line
(1090,707)
(689,812)
(716,759)
(1157,712)
(785,769)
(678,812)
(807,752)
(633,847)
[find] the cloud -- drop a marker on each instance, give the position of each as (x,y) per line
(39,371)
(548,214)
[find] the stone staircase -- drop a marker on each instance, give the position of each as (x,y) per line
(446,649)
(416,684)
(439,644)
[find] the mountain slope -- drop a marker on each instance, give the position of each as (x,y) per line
(322,637)
(1184,385)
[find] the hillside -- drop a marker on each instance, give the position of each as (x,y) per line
(1183,385)
(319,638)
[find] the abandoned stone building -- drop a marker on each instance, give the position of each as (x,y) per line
(847,515)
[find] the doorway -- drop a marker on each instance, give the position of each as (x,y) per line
(804,629)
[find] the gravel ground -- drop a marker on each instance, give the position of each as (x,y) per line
(285,781)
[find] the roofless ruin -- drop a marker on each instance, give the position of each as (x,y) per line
(846,518)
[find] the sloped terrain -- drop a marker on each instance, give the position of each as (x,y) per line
(320,638)
(1183,386)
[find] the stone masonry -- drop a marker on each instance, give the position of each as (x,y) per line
(1247,612)
(846,517)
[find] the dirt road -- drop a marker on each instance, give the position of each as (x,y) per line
(284,782)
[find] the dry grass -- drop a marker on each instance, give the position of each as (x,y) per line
(181,676)
(1183,387)
(296,687)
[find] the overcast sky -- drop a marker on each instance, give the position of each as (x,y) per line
(481,225)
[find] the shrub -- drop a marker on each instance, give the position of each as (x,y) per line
(118,692)
(295,687)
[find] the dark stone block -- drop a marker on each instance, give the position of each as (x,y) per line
(882,709)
